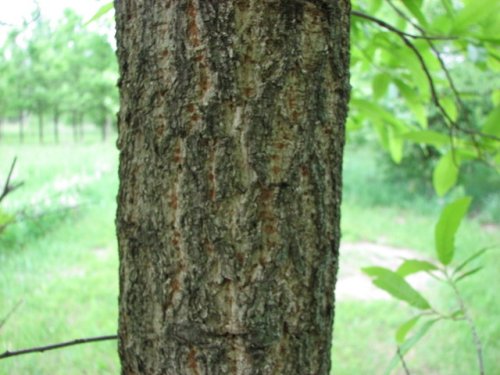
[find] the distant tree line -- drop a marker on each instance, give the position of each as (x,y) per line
(57,74)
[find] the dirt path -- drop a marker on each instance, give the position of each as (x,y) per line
(352,284)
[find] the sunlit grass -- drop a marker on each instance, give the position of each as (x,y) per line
(67,274)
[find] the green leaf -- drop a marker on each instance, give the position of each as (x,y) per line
(5,218)
(420,112)
(448,6)
(447,227)
(457,314)
(380,84)
(470,259)
(101,12)
(414,8)
(474,13)
(450,108)
(375,112)
(374,6)
(468,273)
(406,327)
(428,137)
(445,174)
(396,286)
(492,123)
(406,60)
(408,344)
(414,102)
(411,266)
(495,97)
(396,146)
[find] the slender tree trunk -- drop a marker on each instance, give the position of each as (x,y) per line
(74,125)
(81,128)
(56,125)
(104,129)
(21,127)
(231,133)
(40,127)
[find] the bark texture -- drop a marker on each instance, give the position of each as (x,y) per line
(231,133)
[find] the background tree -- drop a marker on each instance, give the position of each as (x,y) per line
(17,80)
(38,60)
(100,80)
(3,88)
(62,71)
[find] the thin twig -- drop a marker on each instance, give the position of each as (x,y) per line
(42,349)
(396,30)
(8,188)
(403,362)
(35,16)
(472,326)
(11,312)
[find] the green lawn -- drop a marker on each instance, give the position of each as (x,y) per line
(63,266)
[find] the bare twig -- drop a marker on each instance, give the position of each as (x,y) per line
(10,313)
(403,362)
(35,16)
(472,326)
(389,27)
(42,349)
(8,188)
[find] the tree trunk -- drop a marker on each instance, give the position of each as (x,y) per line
(231,133)
(40,127)
(74,125)
(21,127)
(104,129)
(81,127)
(56,125)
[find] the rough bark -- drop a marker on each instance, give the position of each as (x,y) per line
(231,132)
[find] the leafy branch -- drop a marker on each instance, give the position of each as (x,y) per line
(389,27)
(394,283)
(470,322)
(406,38)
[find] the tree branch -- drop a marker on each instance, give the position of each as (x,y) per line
(8,188)
(403,362)
(35,16)
(453,124)
(389,27)
(42,349)
(405,37)
(9,314)
(472,326)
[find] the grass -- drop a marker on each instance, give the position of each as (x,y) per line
(67,273)
(64,268)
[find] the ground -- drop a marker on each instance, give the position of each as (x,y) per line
(352,284)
